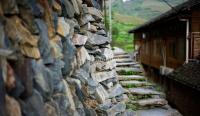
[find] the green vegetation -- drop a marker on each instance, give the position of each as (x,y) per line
(124,72)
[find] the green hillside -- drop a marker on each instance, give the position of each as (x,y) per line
(143,8)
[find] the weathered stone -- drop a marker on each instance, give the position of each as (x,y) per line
(56,49)
(57,7)
(63,104)
(118,108)
(105,66)
(86,18)
(105,106)
(85,9)
(122,98)
(10,7)
(12,107)
(101,94)
(79,40)
(34,105)
(63,27)
(69,54)
(95,12)
(101,32)
(43,80)
(82,56)
(90,112)
(94,39)
(128,113)
(76,7)
(43,42)
(107,53)
(26,78)
(28,17)
(143,91)
(102,76)
(18,33)
(50,110)
(117,90)
(152,102)
(68,9)
(68,93)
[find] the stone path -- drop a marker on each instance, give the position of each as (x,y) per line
(143,97)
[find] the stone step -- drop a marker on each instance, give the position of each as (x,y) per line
(152,102)
(125,64)
(143,91)
(127,69)
(130,77)
(123,60)
(121,56)
(158,112)
(120,53)
(134,84)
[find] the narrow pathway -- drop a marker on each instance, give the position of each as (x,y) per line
(145,98)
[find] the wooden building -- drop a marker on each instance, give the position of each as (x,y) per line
(166,43)
(170,40)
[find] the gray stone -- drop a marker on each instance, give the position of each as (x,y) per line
(107,53)
(43,81)
(94,39)
(116,109)
(102,76)
(101,94)
(105,106)
(82,56)
(63,27)
(101,32)
(43,42)
(63,104)
(76,6)
(105,66)
(86,18)
(90,112)
(34,105)
(69,52)
(68,9)
(117,90)
(79,40)
(50,110)
(129,113)
(96,13)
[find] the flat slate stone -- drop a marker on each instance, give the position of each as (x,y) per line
(117,90)
(135,83)
(118,108)
(101,94)
(125,64)
(143,91)
(102,76)
(123,60)
(152,102)
(122,56)
(131,77)
(158,112)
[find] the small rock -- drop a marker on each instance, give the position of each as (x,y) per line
(10,7)
(118,108)
(63,27)
(117,90)
(79,40)
(12,107)
(50,110)
(101,94)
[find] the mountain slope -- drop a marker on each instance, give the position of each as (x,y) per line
(146,9)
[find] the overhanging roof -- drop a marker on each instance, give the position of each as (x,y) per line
(171,13)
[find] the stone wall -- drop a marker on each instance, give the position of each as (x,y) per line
(56,60)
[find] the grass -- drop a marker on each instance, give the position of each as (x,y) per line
(121,25)
(124,72)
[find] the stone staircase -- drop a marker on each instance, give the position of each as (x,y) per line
(144,99)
